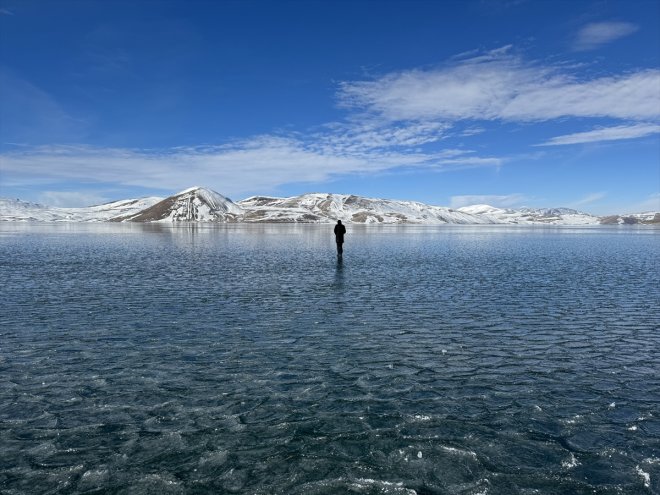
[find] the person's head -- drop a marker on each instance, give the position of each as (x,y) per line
(339,222)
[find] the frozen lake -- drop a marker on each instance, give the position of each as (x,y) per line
(246,359)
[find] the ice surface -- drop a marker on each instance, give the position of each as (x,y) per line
(224,358)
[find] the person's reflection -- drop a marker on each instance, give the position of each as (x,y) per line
(339,273)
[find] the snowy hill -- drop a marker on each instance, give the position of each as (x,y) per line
(192,205)
(553,216)
(22,211)
(198,204)
(646,218)
(320,207)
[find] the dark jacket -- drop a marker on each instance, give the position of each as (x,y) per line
(340,230)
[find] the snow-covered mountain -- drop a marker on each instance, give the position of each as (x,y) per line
(648,218)
(198,204)
(22,211)
(554,216)
(192,205)
(318,207)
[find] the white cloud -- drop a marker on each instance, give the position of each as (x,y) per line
(498,86)
(503,201)
(258,164)
(369,135)
(472,161)
(596,34)
(605,134)
(400,121)
(471,131)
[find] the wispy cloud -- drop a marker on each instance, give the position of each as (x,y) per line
(502,201)
(651,203)
(369,135)
(259,164)
(255,164)
(588,199)
(471,131)
(6,12)
(31,115)
(605,134)
(500,86)
(71,198)
(596,34)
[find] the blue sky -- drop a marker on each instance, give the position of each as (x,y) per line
(505,102)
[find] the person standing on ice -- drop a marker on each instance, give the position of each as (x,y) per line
(340,230)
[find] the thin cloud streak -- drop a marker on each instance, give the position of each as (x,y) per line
(596,34)
(500,201)
(31,115)
(366,136)
(651,203)
(71,198)
(588,199)
(605,134)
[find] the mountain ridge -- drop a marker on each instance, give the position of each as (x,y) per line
(199,204)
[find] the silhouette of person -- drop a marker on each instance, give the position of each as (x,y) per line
(340,230)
